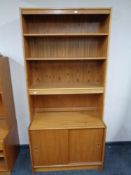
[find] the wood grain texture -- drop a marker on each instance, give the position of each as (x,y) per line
(75,102)
(67,34)
(2,110)
(73,74)
(86,145)
(66,58)
(31,11)
(81,90)
(66,120)
(40,47)
(52,150)
(68,167)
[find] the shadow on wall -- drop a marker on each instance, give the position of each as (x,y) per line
(20,98)
(123,130)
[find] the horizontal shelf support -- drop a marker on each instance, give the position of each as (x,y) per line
(75,58)
(48,91)
(67,34)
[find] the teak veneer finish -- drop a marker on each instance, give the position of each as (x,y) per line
(65,54)
(8,125)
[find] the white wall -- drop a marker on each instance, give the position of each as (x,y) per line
(118,94)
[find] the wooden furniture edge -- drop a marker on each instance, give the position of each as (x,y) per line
(26,11)
(71,166)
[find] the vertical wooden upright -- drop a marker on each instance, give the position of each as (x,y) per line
(8,125)
(65,54)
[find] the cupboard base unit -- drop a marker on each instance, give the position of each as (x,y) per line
(61,149)
(8,125)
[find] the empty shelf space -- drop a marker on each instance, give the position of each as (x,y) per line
(66,24)
(66,120)
(66,34)
(65,90)
(82,46)
(69,102)
(66,77)
(66,58)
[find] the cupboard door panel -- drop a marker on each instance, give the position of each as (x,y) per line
(86,145)
(49,147)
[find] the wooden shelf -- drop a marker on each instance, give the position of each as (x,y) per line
(66,34)
(41,11)
(75,58)
(66,120)
(63,90)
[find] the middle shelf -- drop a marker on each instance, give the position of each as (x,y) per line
(66,34)
(35,90)
(68,77)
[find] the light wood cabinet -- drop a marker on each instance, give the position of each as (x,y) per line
(49,147)
(65,52)
(8,125)
(86,145)
(54,147)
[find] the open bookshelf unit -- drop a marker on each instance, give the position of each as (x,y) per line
(65,54)
(8,125)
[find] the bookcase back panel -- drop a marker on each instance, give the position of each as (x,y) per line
(53,47)
(65,102)
(37,24)
(66,74)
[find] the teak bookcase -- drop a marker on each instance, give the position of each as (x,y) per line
(8,126)
(65,54)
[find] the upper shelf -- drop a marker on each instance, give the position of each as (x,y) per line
(67,58)
(66,34)
(65,11)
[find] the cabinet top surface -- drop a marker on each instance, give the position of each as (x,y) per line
(29,11)
(65,120)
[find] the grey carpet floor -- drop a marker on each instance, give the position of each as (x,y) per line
(117,162)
